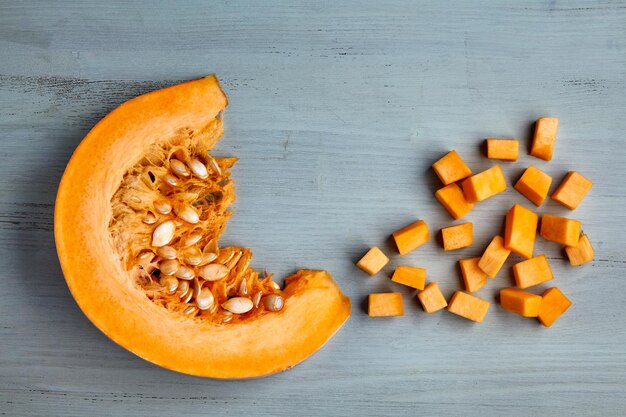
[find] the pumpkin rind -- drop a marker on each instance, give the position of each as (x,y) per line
(314,306)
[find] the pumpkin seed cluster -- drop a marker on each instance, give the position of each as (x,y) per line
(167,217)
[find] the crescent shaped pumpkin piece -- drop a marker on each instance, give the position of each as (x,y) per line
(138,215)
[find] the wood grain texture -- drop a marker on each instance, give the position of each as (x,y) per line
(337,110)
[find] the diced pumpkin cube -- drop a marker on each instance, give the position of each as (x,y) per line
(553,304)
(520,230)
(572,190)
(534,185)
(411,237)
(410,276)
(545,136)
(532,272)
(581,253)
(503,149)
(468,306)
(484,184)
(473,277)
(494,257)
(385,305)
(452,198)
(457,237)
(520,302)
(431,298)
(560,229)
(373,261)
(451,168)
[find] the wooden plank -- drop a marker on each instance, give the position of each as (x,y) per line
(337,110)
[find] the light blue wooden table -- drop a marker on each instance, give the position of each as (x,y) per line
(337,109)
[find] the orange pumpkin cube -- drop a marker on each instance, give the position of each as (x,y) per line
(581,253)
(483,185)
(503,149)
(385,305)
(572,190)
(553,304)
(411,237)
(532,272)
(457,237)
(410,276)
(468,306)
(494,257)
(534,185)
(520,230)
(560,229)
(431,298)
(520,302)
(545,136)
(373,261)
(473,277)
(452,199)
(451,168)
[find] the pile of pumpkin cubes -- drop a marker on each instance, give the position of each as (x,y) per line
(458,196)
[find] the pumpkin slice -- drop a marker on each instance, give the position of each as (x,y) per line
(138,216)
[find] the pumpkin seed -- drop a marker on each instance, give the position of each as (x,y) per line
(163,233)
(205,299)
(227,319)
(190,311)
(192,239)
(135,199)
(193,256)
(231,264)
(243,264)
(214,165)
(171,180)
(198,168)
(169,267)
(186,273)
(213,272)
(183,290)
(187,213)
(183,287)
(225,255)
(209,257)
(150,218)
(145,254)
(238,305)
(243,287)
(179,168)
(169,283)
(273,302)
(187,296)
(167,252)
(162,206)
(256,299)
(275,285)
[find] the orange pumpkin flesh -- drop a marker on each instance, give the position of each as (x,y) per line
(99,240)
